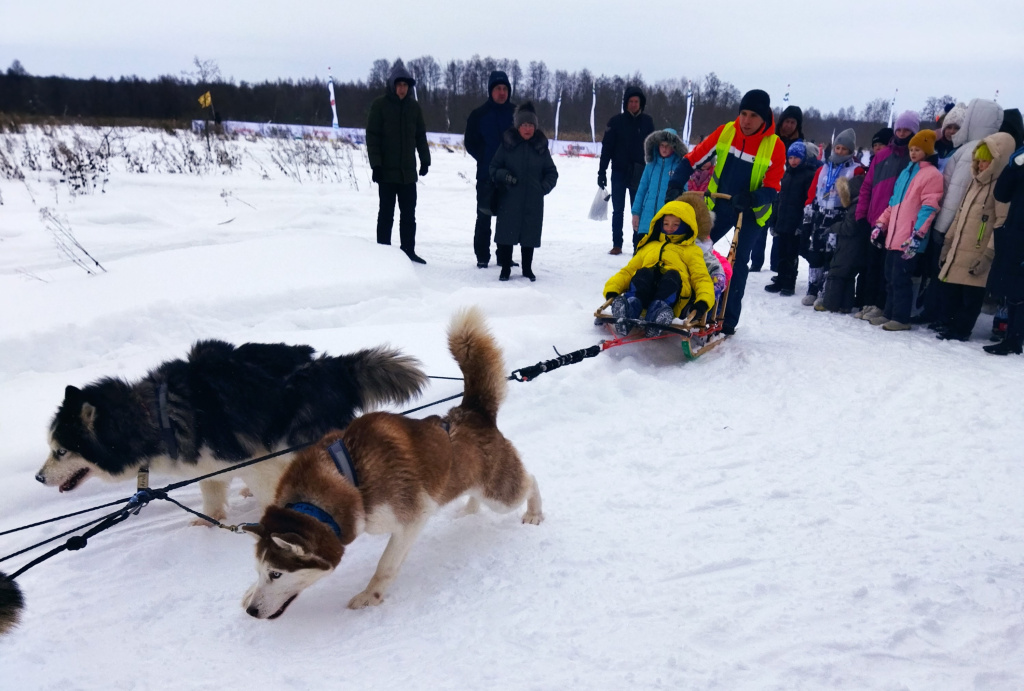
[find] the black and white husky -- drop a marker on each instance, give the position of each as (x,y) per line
(221,405)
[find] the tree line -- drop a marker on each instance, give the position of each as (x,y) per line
(446,92)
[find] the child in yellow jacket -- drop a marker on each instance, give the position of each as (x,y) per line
(666,274)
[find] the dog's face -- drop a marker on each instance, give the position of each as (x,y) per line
(72,431)
(285,566)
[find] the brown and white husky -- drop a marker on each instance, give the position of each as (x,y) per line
(403,470)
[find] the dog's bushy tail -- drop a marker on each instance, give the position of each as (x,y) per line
(481,362)
(11,604)
(386,375)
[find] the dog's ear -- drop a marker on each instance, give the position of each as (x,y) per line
(256,529)
(72,394)
(88,414)
(291,543)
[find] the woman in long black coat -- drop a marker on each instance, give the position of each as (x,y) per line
(523,171)
(1006,279)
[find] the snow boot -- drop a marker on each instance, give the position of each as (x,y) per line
(658,314)
(893,325)
(625,307)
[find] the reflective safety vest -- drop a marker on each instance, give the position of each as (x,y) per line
(762,161)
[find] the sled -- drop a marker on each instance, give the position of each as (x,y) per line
(698,335)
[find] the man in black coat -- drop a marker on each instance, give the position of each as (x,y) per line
(623,146)
(395,132)
(484,130)
(1006,278)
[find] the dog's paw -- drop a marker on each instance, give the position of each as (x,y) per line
(245,492)
(203,523)
(471,507)
(533,517)
(366,599)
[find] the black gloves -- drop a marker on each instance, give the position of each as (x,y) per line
(375,174)
(510,179)
(672,193)
(741,201)
(864,227)
(610,295)
(602,179)
(701,307)
(423,169)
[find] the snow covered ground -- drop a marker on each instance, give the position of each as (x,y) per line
(815,504)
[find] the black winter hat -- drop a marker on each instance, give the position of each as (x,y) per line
(498,77)
(1013,125)
(882,136)
(797,114)
(525,113)
(758,101)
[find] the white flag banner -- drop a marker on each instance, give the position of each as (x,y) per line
(892,108)
(593,107)
(330,89)
(688,120)
(558,109)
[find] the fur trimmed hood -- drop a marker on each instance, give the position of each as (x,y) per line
(511,139)
(705,217)
(849,189)
(666,135)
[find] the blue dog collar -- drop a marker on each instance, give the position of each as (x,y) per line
(317,513)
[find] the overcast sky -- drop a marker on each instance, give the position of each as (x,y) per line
(832,54)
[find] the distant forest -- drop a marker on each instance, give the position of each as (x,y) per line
(447,93)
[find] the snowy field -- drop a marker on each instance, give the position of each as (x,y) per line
(814,504)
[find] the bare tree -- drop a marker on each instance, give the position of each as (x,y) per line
(378,78)
(205,72)
(17,70)
(876,111)
(539,80)
(935,106)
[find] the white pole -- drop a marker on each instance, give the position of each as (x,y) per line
(892,108)
(593,106)
(334,109)
(558,109)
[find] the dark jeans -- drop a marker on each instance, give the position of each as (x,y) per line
(933,309)
(899,278)
(757,251)
(651,284)
(962,305)
(725,219)
(621,183)
(406,197)
(482,230)
(871,283)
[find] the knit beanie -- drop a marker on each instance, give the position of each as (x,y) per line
(908,120)
(798,150)
(525,113)
(956,115)
(847,138)
(982,153)
(924,140)
(758,101)
(882,136)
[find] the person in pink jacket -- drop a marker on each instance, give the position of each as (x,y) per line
(903,229)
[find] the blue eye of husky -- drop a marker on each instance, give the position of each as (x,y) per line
(274,575)
(60,452)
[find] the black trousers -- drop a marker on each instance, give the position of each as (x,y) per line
(650,284)
(788,260)
(962,305)
(504,256)
(482,230)
(405,195)
(871,286)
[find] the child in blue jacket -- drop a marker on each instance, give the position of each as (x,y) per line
(663,150)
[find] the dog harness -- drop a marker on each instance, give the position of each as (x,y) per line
(317,513)
(343,461)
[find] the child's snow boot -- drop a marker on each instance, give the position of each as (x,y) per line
(658,314)
(625,307)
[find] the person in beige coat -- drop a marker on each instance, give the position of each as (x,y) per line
(968,247)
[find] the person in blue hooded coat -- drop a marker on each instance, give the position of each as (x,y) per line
(663,150)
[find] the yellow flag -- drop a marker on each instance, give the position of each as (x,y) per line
(206,100)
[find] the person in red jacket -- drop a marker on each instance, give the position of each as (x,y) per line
(751,160)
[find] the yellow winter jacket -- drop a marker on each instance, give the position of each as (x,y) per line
(670,252)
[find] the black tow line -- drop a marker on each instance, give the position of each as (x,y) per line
(134,504)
